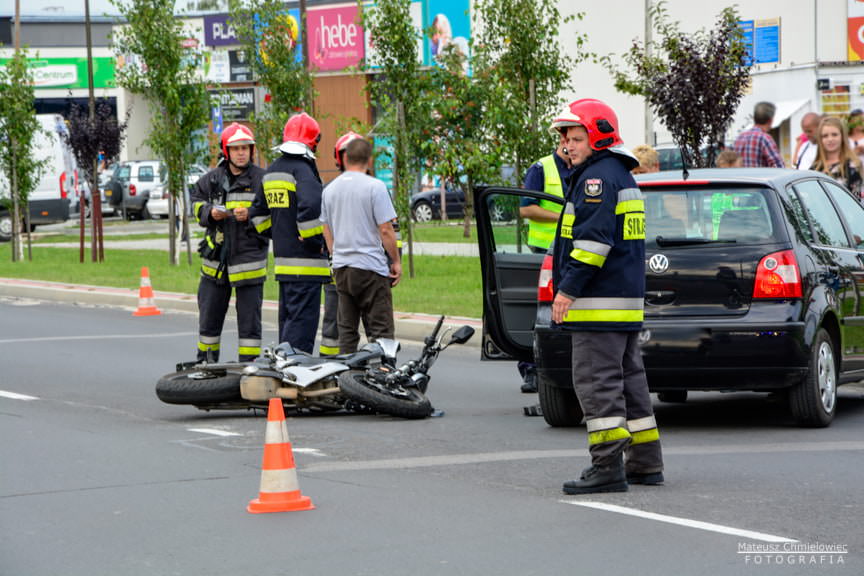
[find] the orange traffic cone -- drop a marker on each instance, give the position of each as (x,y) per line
(146,306)
(279,491)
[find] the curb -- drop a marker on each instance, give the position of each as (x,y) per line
(409,326)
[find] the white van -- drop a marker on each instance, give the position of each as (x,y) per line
(58,184)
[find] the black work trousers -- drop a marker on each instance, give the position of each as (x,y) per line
(609,379)
(213,300)
(363,294)
(299,311)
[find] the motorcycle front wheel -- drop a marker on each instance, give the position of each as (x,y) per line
(402,402)
(183,388)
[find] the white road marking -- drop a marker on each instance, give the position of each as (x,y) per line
(96,337)
(213,431)
(16,396)
(312,451)
(681,521)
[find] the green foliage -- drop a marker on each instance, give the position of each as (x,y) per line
(456,138)
(158,67)
(517,54)
(396,92)
(20,169)
(693,82)
(270,38)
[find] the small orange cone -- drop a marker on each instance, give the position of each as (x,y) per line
(146,306)
(279,491)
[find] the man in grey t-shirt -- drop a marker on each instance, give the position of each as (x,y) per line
(356,211)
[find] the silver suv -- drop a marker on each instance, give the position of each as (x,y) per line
(130,186)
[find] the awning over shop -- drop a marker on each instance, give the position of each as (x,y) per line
(786,109)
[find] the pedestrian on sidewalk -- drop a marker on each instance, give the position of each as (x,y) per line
(357,214)
(599,277)
(755,145)
(233,253)
(291,197)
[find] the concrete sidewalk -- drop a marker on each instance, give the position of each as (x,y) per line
(409,326)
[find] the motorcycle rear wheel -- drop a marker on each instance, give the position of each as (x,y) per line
(179,388)
(413,405)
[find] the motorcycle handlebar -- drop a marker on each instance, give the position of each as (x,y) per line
(430,340)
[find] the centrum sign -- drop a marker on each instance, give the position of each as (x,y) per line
(69,72)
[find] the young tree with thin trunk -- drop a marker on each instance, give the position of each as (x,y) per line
(693,82)
(19,168)
(158,67)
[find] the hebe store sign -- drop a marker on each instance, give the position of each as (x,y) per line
(336,39)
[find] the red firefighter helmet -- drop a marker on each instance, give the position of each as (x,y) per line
(303,129)
(597,118)
(236,135)
(341,145)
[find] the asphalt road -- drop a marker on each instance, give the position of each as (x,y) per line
(99,477)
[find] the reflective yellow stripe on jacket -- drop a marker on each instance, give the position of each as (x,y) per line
(606,310)
(310,267)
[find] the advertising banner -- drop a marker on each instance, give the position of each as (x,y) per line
(855,30)
(451,24)
(336,40)
(235,103)
(69,72)
(218,31)
(240,67)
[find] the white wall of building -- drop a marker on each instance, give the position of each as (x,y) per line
(812,39)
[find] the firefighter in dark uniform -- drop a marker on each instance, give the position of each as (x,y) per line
(549,174)
(233,253)
(599,277)
(291,197)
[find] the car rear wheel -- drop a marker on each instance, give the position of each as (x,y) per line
(423,212)
(672,396)
(561,408)
(5,228)
(814,400)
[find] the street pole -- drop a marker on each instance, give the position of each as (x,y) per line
(649,116)
(304,39)
(16,208)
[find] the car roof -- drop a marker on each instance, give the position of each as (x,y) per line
(776,177)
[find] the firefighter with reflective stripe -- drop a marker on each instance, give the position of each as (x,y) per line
(599,278)
(549,175)
(291,197)
(233,253)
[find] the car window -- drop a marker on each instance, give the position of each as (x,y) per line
(509,234)
(826,222)
(145,174)
(797,216)
(163,172)
(123,172)
(707,214)
(851,209)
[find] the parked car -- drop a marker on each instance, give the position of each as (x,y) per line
(426,205)
(754,280)
(157,204)
(130,186)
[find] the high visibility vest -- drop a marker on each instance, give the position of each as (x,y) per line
(541,234)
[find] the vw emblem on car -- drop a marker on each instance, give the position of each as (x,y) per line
(658,263)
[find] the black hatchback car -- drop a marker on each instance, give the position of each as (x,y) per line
(754,281)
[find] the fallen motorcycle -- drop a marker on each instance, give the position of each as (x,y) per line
(368,380)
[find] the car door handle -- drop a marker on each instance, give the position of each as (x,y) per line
(659,297)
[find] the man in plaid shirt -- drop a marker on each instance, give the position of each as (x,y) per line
(755,146)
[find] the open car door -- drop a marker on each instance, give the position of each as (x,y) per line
(510,272)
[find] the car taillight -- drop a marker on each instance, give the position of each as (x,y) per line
(63,193)
(545,292)
(132,190)
(778,276)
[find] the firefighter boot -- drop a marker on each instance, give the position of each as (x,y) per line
(594,479)
(646,478)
